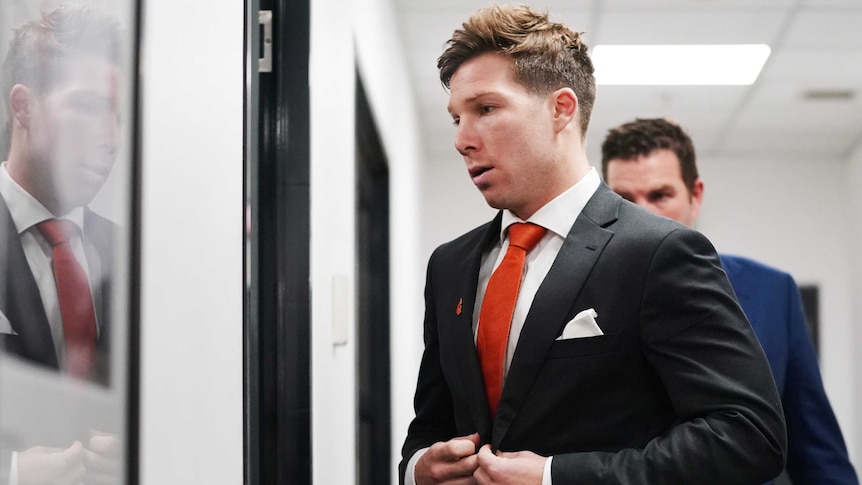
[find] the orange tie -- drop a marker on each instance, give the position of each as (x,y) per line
(498,306)
(73,292)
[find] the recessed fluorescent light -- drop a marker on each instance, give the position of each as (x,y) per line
(679,64)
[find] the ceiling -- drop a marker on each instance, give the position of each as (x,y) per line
(816,45)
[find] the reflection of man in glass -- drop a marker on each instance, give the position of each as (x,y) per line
(61,84)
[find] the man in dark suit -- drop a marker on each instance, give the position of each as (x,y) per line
(625,357)
(652,162)
(61,79)
(63,88)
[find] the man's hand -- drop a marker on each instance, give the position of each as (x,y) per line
(518,468)
(102,459)
(451,462)
(42,465)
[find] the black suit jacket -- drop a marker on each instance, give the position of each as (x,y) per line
(21,302)
(676,391)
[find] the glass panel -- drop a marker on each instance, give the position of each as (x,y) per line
(66,196)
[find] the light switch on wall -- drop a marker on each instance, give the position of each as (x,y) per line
(339,309)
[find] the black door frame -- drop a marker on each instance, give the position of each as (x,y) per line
(374,440)
(277,304)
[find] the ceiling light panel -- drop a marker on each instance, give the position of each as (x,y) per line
(679,65)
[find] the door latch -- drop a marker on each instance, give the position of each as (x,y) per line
(264,64)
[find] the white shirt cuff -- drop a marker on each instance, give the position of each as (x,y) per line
(546,475)
(13,469)
(409,478)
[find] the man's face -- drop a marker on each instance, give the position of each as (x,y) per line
(74,132)
(505,134)
(655,181)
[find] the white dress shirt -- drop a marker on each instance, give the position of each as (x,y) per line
(27,212)
(557,216)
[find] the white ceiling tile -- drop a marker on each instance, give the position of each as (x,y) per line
(793,93)
(847,4)
(695,4)
(696,27)
(814,66)
(620,97)
(828,28)
(796,144)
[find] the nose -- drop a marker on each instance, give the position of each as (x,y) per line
(466,140)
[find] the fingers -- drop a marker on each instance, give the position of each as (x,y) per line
(451,462)
(70,461)
(519,467)
(105,445)
(43,465)
(102,460)
(485,457)
(455,449)
(71,457)
(101,464)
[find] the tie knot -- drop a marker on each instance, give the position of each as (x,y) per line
(525,235)
(57,231)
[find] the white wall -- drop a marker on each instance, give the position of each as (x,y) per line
(191,295)
(338,29)
(789,214)
(383,67)
(451,204)
(852,183)
(333,240)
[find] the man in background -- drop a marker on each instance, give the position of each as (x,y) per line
(651,162)
(61,80)
(564,343)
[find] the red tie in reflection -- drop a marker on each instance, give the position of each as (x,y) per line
(76,301)
(498,306)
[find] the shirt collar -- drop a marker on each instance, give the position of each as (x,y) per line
(25,209)
(558,215)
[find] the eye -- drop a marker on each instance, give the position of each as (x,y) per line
(456,121)
(658,196)
(486,109)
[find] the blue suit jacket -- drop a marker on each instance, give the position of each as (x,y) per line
(770,300)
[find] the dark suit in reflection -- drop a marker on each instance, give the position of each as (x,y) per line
(63,87)
(21,302)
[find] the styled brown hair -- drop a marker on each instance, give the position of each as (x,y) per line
(644,136)
(546,55)
(39,47)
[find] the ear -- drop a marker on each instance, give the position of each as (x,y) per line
(565,107)
(697,196)
(21,103)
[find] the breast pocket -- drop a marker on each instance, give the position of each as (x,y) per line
(601,344)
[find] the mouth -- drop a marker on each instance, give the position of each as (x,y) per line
(477,171)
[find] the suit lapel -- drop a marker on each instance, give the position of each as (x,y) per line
(20,299)
(553,303)
(100,233)
(468,371)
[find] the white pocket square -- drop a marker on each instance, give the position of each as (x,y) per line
(5,326)
(583,325)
